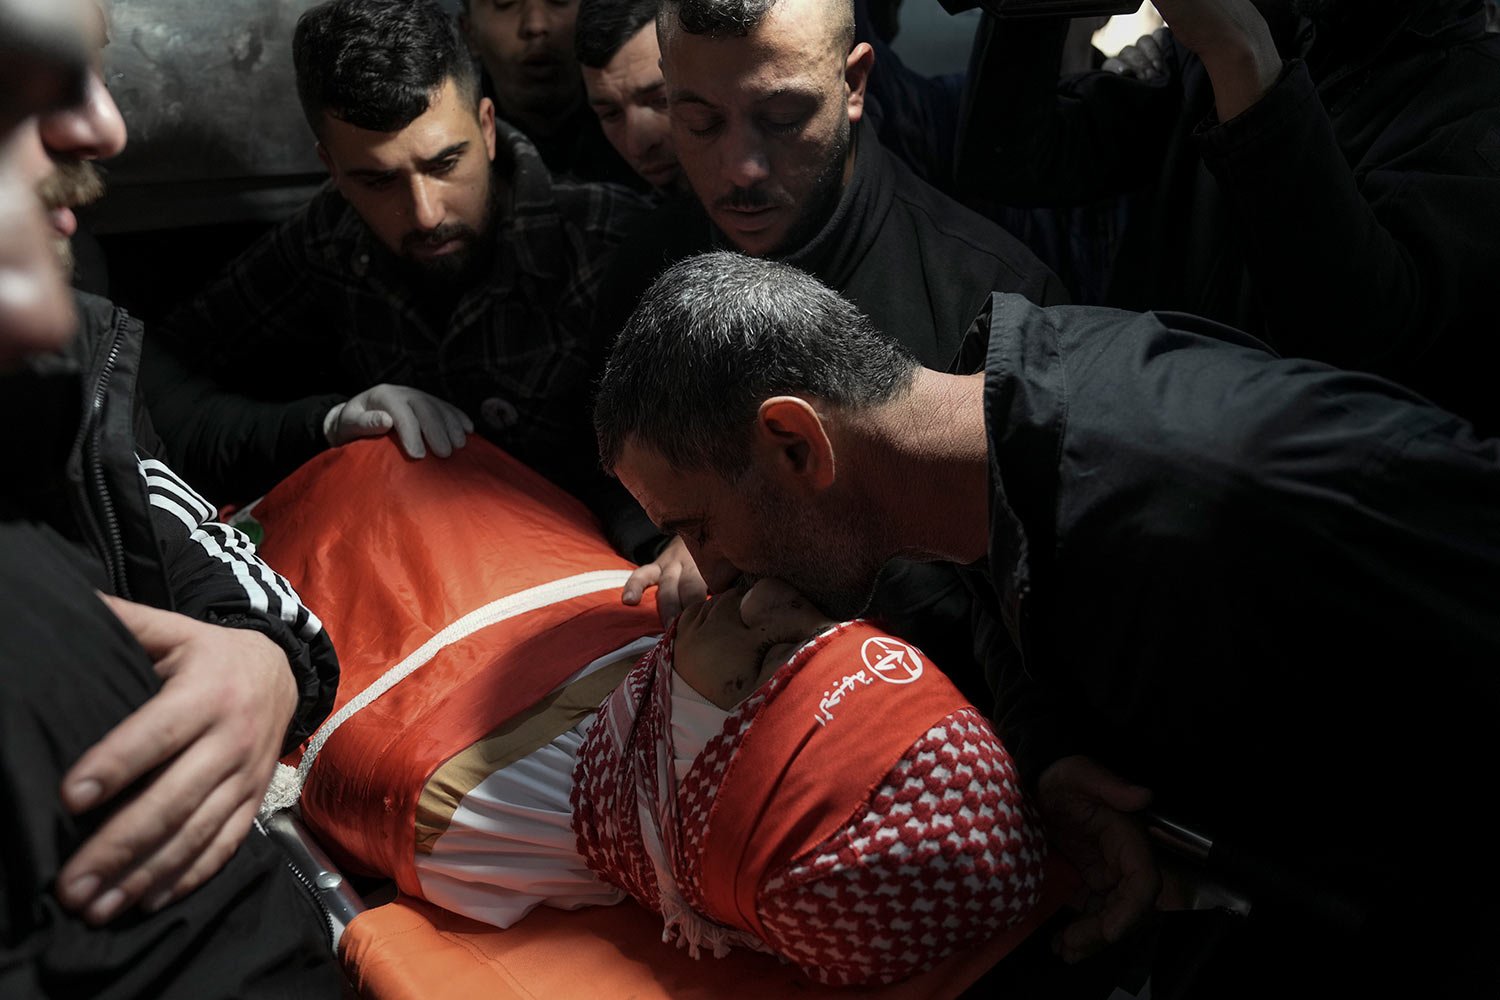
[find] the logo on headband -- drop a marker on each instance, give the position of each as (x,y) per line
(892,660)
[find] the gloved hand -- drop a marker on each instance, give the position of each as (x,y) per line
(414,415)
(1146,59)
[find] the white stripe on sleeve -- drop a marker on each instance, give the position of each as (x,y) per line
(229,546)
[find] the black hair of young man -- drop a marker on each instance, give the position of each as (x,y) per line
(604,26)
(376,63)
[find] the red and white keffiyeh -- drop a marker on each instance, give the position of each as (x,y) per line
(855,816)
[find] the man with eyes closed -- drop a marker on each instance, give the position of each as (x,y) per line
(767,100)
(441,284)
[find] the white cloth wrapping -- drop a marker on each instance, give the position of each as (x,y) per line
(511,847)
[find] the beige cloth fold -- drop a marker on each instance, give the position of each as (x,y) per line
(523,735)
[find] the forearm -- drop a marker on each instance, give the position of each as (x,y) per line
(1236,47)
(1334,282)
(215,576)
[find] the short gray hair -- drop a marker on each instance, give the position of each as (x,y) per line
(720,333)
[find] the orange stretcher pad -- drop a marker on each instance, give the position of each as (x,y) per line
(391,553)
(411,949)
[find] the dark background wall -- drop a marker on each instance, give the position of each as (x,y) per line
(218,147)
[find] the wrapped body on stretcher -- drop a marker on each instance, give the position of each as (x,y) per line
(509,734)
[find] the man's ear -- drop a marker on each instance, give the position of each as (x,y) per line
(327,162)
(792,445)
(487,125)
(856,77)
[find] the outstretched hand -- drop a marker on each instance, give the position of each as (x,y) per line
(675,577)
(197,758)
(1087,810)
(1234,42)
(415,417)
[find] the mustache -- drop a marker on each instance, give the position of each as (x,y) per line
(437,237)
(745,199)
(72,184)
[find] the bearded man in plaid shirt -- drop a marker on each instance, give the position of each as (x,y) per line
(441,284)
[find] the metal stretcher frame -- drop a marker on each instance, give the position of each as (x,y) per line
(452,939)
(418,950)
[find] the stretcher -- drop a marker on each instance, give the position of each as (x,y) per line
(407,948)
(423,632)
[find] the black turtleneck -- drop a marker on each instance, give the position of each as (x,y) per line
(919,264)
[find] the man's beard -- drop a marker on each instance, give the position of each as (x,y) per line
(832,566)
(822,199)
(72,184)
(454,270)
(449,267)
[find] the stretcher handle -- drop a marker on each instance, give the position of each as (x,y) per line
(1262,880)
(320,877)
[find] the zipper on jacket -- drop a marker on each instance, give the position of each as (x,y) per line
(113,538)
(310,889)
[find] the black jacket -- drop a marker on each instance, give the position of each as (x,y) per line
(919,264)
(82,449)
(1267,589)
(1350,216)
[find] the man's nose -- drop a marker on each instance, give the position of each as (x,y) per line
(744,161)
(640,139)
(534,19)
(90,130)
(426,207)
(718,573)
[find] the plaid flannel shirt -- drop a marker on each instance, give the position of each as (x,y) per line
(318,307)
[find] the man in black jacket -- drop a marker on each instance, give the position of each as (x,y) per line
(767,107)
(152,668)
(1324,174)
(1262,589)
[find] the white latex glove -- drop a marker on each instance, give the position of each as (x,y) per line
(414,415)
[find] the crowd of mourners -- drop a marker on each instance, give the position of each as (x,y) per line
(1146,395)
